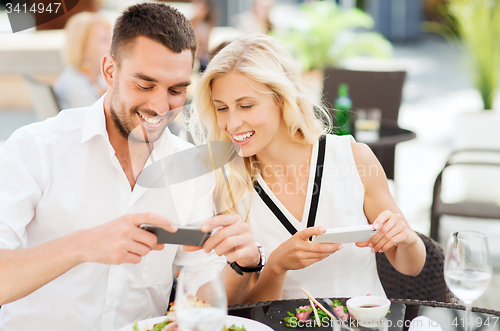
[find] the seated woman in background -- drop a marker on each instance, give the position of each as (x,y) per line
(88,38)
(295,181)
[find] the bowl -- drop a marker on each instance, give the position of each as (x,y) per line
(368,310)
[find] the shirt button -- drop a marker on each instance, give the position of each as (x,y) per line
(111,304)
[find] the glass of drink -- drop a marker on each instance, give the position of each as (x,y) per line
(200,299)
(467,268)
(367,125)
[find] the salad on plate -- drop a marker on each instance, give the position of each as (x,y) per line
(170,324)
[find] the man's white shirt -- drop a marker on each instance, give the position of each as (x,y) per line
(61,176)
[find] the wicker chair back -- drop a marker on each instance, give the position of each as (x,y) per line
(428,285)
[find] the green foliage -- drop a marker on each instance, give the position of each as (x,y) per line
(325,36)
(478,24)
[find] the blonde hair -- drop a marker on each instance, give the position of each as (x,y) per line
(77,35)
(262,59)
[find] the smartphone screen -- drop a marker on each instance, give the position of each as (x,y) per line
(346,235)
(185,235)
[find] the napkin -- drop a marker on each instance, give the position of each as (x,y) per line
(421,323)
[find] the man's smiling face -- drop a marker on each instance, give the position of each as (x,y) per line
(149,89)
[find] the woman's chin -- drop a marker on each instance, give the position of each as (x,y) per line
(245,152)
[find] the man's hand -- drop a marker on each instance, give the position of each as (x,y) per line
(116,242)
(233,239)
(121,240)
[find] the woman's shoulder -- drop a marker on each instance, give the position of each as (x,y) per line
(369,167)
(361,152)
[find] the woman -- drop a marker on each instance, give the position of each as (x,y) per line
(88,38)
(203,21)
(294,181)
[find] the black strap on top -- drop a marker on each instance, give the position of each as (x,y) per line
(315,197)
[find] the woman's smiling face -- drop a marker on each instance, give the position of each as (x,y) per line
(247,112)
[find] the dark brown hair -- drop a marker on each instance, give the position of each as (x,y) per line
(156,21)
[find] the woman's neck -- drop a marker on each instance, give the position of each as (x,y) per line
(284,158)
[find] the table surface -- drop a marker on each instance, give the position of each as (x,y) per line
(449,316)
(391,134)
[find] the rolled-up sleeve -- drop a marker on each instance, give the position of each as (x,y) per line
(21,182)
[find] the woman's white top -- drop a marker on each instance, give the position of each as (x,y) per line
(351,271)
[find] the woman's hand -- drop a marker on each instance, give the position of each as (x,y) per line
(232,239)
(298,252)
(392,231)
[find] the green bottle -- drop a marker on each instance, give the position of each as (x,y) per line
(343,105)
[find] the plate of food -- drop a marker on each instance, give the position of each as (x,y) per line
(233,323)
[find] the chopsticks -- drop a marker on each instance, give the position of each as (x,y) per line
(318,304)
(315,312)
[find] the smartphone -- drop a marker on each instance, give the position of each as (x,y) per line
(185,235)
(345,235)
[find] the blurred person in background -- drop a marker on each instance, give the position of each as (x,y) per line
(88,38)
(204,19)
(256,20)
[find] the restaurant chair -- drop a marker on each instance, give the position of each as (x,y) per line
(369,89)
(42,97)
(428,285)
(475,209)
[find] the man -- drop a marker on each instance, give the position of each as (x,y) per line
(71,250)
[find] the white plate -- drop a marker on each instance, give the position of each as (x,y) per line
(249,324)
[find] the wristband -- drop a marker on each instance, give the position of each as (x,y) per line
(240,270)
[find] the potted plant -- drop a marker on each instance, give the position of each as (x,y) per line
(477,23)
(324,35)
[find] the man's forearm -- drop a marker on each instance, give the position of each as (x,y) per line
(26,270)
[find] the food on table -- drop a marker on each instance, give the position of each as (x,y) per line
(341,312)
(170,325)
(303,314)
(197,302)
(162,326)
(235,328)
